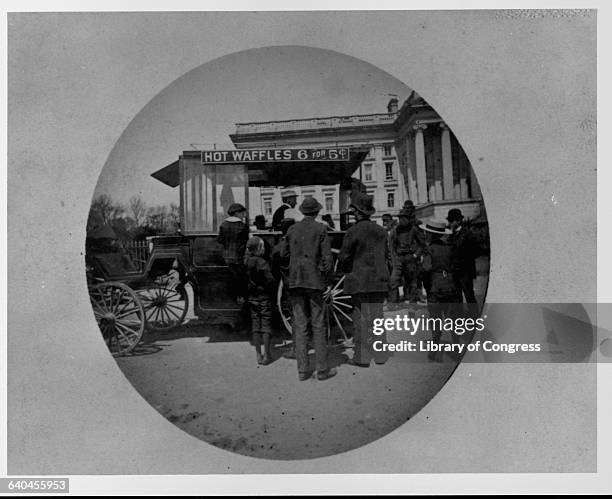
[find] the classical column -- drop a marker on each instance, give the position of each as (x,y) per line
(463,175)
(421,173)
(447,163)
(410,170)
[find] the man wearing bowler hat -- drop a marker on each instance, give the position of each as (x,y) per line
(289,198)
(365,259)
(308,252)
(464,249)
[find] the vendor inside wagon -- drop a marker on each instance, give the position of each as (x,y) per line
(289,198)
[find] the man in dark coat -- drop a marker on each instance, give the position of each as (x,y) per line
(289,198)
(464,249)
(407,244)
(233,236)
(308,252)
(365,259)
(437,261)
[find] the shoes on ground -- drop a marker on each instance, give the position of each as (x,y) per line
(329,373)
(353,362)
(304,376)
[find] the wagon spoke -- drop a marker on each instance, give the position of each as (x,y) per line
(340,281)
(339,310)
(338,322)
(342,297)
(127,313)
(171,312)
(123,327)
(341,304)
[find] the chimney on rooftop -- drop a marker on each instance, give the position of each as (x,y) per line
(392,106)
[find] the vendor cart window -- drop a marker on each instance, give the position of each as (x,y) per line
(207,191)
(231,188)
(197,196)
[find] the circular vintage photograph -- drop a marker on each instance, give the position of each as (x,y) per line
(287,252)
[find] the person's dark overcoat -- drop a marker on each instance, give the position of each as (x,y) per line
(308,251)
(365,258)
(464,252)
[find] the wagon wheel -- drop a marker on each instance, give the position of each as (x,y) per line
(119,314)
(338,306)
(165,307)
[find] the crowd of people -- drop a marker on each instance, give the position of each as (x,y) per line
(433,263)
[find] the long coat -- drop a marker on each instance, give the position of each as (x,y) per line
(365,258)
(464,250)
(308,251)
(278,216)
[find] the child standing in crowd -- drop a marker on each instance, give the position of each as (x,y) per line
(233,235)
(260,288)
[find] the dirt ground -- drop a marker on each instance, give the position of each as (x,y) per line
(205,380)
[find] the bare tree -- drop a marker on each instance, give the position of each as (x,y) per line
(138,209)
(104,210)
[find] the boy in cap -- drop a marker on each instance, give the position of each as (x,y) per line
(233,236)
(260,289)
(365,258)
(308,252)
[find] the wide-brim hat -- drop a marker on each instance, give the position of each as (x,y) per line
(288,193)
(363,204)
(454,214)
(235,208)
(310,206)
(435,227)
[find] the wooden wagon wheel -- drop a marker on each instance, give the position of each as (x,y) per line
(165,307)
(338,306)
(119,314)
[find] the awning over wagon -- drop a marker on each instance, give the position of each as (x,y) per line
(278,167)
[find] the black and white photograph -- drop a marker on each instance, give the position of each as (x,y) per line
(305,243)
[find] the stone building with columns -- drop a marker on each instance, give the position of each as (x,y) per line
(413,155)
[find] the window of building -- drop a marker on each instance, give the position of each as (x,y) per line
(329,203)
(388,171)
(367,173)
(267,207)
(387,151)
(390,199)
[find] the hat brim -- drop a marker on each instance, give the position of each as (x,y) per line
(312,210)
(427,229)
(362,211)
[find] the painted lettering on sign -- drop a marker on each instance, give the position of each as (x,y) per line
(265,155)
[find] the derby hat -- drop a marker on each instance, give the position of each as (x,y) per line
(310,206)
(363,204)
(454,214)
(435,227)
(235,208)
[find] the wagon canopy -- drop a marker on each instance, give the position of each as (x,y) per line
(277,167)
